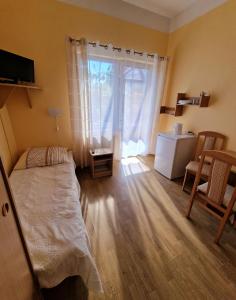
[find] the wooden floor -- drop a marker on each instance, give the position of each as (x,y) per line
(143,245)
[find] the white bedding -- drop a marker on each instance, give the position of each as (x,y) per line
(47,200)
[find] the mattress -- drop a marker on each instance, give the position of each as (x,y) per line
(47,201)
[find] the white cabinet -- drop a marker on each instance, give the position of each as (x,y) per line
(173,152)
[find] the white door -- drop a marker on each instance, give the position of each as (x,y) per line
(16,279)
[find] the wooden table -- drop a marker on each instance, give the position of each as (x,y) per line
(101,162)
(232,153)
(232,177)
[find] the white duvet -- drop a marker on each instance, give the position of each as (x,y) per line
(47,201)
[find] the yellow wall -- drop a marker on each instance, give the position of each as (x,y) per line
(203,58)
(37,29)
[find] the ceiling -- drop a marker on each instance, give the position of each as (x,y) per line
(162,15)
(167,8)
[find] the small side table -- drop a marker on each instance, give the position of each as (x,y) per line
(101,162)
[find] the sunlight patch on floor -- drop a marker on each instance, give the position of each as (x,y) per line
(133,166)
(143,196)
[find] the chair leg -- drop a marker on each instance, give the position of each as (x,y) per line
(220,231)
(190,205)
(223,222)
(185,179)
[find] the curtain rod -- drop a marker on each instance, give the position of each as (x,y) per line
(117,48)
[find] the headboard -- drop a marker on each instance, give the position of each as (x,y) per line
(8,149)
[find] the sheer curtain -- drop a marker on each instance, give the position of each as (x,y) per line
(161,72)
(80,104)
(104,95)
(139,82)
(117,94)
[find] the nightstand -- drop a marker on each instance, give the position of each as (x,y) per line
(101,162)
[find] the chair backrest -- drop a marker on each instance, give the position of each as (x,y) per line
(221,166)
(209,140)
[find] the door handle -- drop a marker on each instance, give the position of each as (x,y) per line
(5,209)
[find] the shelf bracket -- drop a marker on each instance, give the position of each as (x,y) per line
(5,95)
(28,98)
(6,91)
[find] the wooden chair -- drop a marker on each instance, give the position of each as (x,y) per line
(206,140)
(217,197)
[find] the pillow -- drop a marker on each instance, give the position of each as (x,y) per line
(56,155)
(41,157)
(21,163)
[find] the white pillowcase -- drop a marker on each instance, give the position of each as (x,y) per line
(41,157)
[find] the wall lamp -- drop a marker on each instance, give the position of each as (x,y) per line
(55,113)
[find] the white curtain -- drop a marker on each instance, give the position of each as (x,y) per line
(104,95)
(162,65)
(79,96)
(139,82)
(117,95)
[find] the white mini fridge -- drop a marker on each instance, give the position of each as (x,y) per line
(173,153)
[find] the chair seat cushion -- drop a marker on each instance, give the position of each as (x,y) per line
(192,167)
(207,159)
(228,193)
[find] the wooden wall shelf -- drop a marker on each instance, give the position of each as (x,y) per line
(167,110)
(184,100)
(7,89)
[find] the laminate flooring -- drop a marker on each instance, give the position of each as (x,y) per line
(143,245)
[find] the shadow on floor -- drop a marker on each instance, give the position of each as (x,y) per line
(72,288)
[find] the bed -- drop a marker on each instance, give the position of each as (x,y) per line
(47,201)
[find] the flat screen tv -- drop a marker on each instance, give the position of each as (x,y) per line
(15,68)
